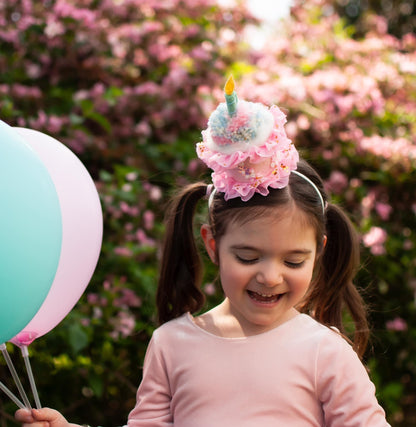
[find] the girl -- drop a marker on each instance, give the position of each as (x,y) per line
(274,352)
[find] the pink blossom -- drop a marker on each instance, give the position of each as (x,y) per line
(155,193)
(398,324)
(380,24)
(395,150)
(77,141)
(367,203)
(126,208)
(176,77)
(54,28)
(193,165)
(40,122)
(142,237)
(23,91)
(140,58)
(123,251)
(383,210)
(209,289)
(127,299)
(200,54)
(375,240)
(65,9)
(151,27)
(406,63)
(149,219)
(131,176)
(148,88)
(33,71)
(337,182)
(93,298)
(10,36)
(143,129)
(55,124)
(303,122)
(97,313)
(85,322)
(123,324)
(96,299)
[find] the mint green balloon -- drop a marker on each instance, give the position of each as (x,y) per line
(30,232)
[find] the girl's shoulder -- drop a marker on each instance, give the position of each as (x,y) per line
(173,328)
(310,327)
(327,341)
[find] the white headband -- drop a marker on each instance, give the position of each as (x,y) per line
(314,186)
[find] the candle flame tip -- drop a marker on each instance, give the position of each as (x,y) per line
(229,86)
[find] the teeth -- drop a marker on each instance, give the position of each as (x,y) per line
(265,295)
(259,296)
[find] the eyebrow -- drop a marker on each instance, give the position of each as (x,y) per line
(254,249)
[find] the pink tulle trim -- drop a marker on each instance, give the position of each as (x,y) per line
(243,173)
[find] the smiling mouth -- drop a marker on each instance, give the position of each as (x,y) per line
(264,297)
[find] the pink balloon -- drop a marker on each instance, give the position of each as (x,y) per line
(82,232)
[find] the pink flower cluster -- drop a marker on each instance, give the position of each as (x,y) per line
(397,324)
(375,239)
(400,150)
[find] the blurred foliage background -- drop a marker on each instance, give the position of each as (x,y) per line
(129,84)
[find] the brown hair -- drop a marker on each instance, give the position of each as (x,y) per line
(332,289)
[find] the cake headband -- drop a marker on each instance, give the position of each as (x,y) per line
(246,146)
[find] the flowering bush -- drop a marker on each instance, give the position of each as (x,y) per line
(112,78)
(128,85)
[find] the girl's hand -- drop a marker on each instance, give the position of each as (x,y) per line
(44,417)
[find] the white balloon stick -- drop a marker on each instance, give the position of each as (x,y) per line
(25,353)
(16,379)
(12,396)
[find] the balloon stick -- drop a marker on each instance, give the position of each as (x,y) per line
(12,396)
(12,370)
(25,353)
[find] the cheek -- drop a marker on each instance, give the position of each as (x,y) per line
(232,275)
(302,280)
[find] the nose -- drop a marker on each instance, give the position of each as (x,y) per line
(269,275)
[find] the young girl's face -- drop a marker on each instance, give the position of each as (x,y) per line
(266,267)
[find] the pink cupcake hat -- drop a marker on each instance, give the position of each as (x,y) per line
(246,146)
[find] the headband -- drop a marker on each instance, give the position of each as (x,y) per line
(246,146)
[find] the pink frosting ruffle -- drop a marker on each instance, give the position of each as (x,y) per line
(243,173)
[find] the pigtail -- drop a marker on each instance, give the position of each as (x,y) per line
(333,288)
(181,266)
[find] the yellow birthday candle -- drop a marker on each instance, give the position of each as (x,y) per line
(230,96)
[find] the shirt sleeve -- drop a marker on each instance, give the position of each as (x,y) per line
(345,389)
(153,396)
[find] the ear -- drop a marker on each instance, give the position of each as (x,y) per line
(209,242)
(322,247)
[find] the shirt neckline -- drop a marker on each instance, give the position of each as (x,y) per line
(284,325)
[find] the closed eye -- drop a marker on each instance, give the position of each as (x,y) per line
(294,264)
(246,260)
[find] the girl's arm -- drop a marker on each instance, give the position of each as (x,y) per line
(42,418)
(153,396)
(345,389)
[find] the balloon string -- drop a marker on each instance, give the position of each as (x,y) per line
(12,396)
(12,370)
(25,353)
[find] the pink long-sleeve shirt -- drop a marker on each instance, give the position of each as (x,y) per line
(300,374)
